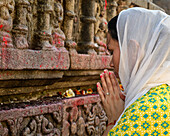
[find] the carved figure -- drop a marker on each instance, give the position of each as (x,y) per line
(6,22)
(100,30)
(58,36)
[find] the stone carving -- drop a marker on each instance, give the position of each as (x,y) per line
(89,119)
(57,116)
(101,29)
(6,22)
(58,36)
(66,124)
(123,4)
(20,29)
(3,131)
(40,125)
(80,125)
(43,26)
(96,119)
(15,126)
(111,9)
(68,25)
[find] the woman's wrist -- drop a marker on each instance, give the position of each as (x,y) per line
(111,123)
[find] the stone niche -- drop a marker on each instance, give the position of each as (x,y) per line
(49,46)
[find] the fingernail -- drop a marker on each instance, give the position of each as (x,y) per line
(105,70)
(109,73)
(101,75)
(97,85)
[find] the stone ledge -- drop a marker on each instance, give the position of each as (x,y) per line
(86,61)
(30,74)
(16,59)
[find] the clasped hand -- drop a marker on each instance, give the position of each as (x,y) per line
(111,96)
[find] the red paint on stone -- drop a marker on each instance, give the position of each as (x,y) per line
(51,58)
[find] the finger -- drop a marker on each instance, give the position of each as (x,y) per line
(104,85)
(114,83)
(99,89)
(108,82)
(122,95)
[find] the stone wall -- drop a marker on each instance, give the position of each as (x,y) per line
(47,46)
(165,4)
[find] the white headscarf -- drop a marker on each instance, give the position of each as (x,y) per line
(144,40)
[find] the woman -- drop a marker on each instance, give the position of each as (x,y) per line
(141,56)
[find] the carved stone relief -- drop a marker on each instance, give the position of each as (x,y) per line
(6,22)
(111,9)
(3,130)
(101,28)
(40,125)
(89,119)
(58,36)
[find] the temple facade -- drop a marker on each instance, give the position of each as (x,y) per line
(46,48)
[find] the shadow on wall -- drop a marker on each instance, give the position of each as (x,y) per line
(165,4)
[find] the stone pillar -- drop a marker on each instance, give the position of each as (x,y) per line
(68,25)
(6,22)
(86,45)
(43,25)
(20,24)
(111,9)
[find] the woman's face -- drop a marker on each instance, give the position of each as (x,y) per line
(113,46)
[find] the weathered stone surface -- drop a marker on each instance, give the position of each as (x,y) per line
(165,4)
(30,59)
(83,61)
(141,3)
(25,74)
(154,6)
(84,116)
(76,116)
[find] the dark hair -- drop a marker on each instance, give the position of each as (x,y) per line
(112,27)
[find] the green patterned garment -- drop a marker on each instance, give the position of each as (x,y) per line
(149,115)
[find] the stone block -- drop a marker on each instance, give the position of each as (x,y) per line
(17,59)
(86,61)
